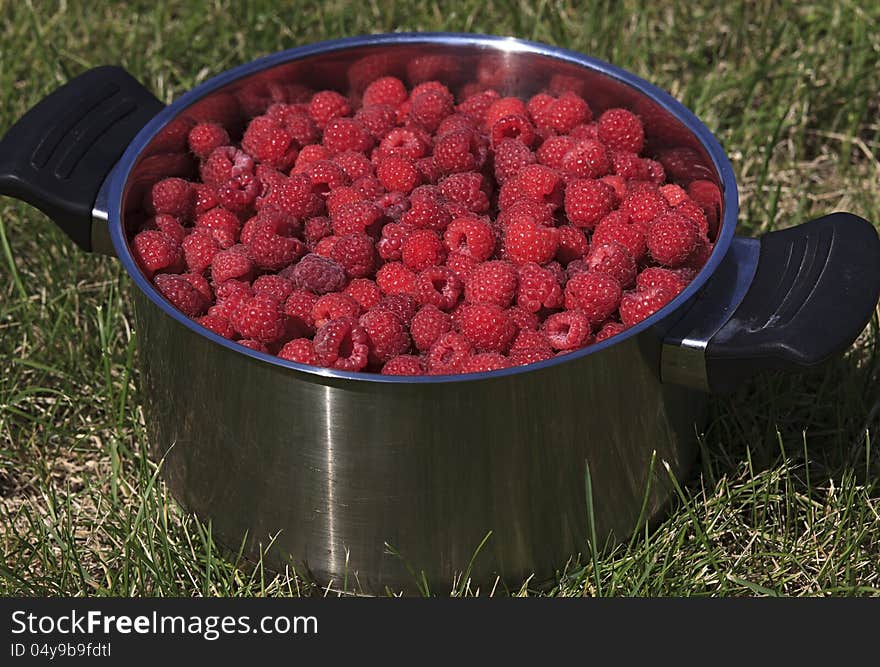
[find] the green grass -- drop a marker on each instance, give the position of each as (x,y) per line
(785,500)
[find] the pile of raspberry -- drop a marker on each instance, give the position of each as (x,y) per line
(402,233)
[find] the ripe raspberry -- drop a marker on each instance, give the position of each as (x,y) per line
(369,187)
(393,205)
(292,195)
(428,209)
(485,362)
(630,166)
(168,225)
(404,142)
(205,199)
(596,294)
(275,285)
(387,337)
(584,132)
(298,309)
(468,189)
(700,255)
(365,291)
(205,137)
(359,217)
(462,150)
(428,170)
(654,276)
(225,163)
(173,196)
(218,324)
(477,104)
(608,330)
(529,356)
(541,184)
(683,165)
(222,225)
(619,184)
(299,350)
(461,264)
(523,319)
(470,236)
(455,123)
(295,119)
(271,244)
(492,282)
(639,305)
(239,193)
(402,305)
(229,295)
(587,202)
(569,330)
(506,106)
(327,105)
(395,278)
(309,155)
(537,288)
(438,285)
(428,324)
(621,130)
(587,159)
(316,274)
(573,244)
(656,173)
(525,208)
(316,229)
(354,253)
(554,149)
(405,364)
(398,174)
(487,326)
(255,345)
(341,197)
(355,165)
(707,195)
(672,238)
(527,241)
(430,107)
(270,144)
(448,354)
(346,134)
(530,339)
(342,344)
(390,245)
(614,260)
(377,120)
(511,156)
(562,114)
(325,176)
(514,126)
(155,251)
(325,246)
(260,317)
(199,250)
(333,306)
(616,228)
(386,90)
(421,249)
(695,214)
(181,293)
(643,205)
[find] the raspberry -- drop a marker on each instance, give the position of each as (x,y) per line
(438,285)
(346,134)
(511,156)
(354,253)
(584,132)
(309,154)
(155,251)
(255,345)
(616,228)
(403,141)
(700,255)
(562,114)
(205,199)
(448,354)
(462,150)
(298,309)
(672,238)
(468,189)
(225,163)
(316,229)
(484,362)
(619,184)
(205,137)
(506,106)
(470,236)
(541,184)
(386,90)
(643,205)
(181,293)
(525,208)
(398,174)
(537,288)
(327,105)
(405,364)
(654,276)
(587,159)
(395,278)
(421,249)
(423,68)
(366,292)
(295,119)
(477,104)
(393,205)
(629,166)
(402,305)
(639,305)
(316,274)
(429,108)
(707,195)
(167,224)
(596,294)
(695,214)
(199,250)
(539,103)
(275,285)
(456,122)
(369,187)
(428,170)
(222,225)
(587,202)
(300,350)
(292,195)
(608,330)
(621,130)
(325,176)
(269,143)
(656,173)
(529,356)
(333,306)
(173,196)
(342,344)
(260,317)
(554,149)
(514,126)
(358,217)
(487,326)
(614,260)
(377,120)
(390,245)
(530,339)
(239,193)
(683,165)
(428,209)
(527,241)
(492,282)
(272,245)
(325,246)
(573,244)
(523,319)
(461,264)
(218,324)
(428,324)
(387,336)
(569,330)
(340,198)
(355,165)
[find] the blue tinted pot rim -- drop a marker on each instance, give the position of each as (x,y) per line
(120,174)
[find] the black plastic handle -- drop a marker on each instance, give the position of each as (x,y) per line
(788,302)
(58,155)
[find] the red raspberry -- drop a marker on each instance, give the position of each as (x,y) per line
(448,354)
(629,166)
(514,126)
(385,90)
(461,264)
(527,241)
(455,123)
(656,173)
(584,132)
(428,324)
(254,345)
(525,208)
(530,339)
(488,326)
(562,114)
(333,306)
(511,156)
(587,159)
(309,155)
(270,144)
(616,228)
(640,305)
(429,108)
(316,274)
(404,142)
(523,319)
(438,285)
(295,119)
(199,250)
(672,238)
(173,196)
(201,285)
(492,282)
(369,187)
(395,278)
(700,255)
(428,210)
(155,251)
(231,292)
(292,195)
(342,344)
(355,165)
(621,130)
(538,103)
(168,225)
(587,202)
(346,134)
(707,195)
(298,309)
(205,199)
(405,364)
(402,305)
(393,205)
(181,293)
(537,288)
(485,362)
(470,236)
(325,246)
(359,217)
(428,170)
(529,356)
(205,137)
(341,197)
(377,120)
(390,245)
(643,205)
(554,149)
(506,106)
(354,253)
(613,259)
(327,105)
(541,184)
(608,330)
(654,276)
(325,176)
(421,249)
(573,244)
(225,163)
(398,174)
(468,189)
(477,104)
(695,214)
(271,244)
(596,294)
(260,317)
(387,336)
(673,194)
(239,193)
(316,229)
(365,291)
(569,330)
(462,150)
(619,184)
(275,285)
(299,350)
(222,225)
(218,324)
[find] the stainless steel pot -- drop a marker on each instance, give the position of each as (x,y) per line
(390,482)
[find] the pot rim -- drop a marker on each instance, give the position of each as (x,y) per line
(119,178)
